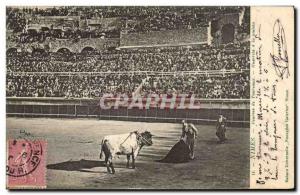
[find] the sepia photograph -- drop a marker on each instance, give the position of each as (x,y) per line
(139,98)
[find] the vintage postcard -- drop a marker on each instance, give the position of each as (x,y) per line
(150,98)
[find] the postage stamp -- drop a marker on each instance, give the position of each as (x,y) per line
(26,163)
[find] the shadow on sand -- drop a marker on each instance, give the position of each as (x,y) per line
(76,165)
(216,142)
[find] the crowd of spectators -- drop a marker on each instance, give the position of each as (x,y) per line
(70,86)
(118,72)
(90,86)
(142,11)
(133,19)
(32,36)
(165,70)
(119,11)
(233,86)
(228,57)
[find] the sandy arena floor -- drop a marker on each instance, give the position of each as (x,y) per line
(74,145)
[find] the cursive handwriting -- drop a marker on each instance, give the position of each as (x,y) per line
(279,54)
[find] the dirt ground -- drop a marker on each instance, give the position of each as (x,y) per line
(74,145)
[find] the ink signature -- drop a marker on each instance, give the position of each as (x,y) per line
(279,55)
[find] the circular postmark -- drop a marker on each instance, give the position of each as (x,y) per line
(24,156)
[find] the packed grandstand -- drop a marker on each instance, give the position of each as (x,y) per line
(214,64)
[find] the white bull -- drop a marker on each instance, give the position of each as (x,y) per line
(124,144)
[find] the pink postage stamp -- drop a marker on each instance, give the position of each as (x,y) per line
(26,164)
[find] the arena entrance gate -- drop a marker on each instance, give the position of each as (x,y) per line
(227,33)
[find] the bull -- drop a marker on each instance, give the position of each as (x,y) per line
(128,144)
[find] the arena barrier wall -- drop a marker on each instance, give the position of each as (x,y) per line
(165,38)
(237,111)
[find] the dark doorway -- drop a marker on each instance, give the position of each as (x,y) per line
(64,51)
(228,33)
(11,51)
(88,50)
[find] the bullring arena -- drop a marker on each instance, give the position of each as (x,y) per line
(62,60)
(74,145)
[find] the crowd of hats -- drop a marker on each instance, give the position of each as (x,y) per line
(92,75)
